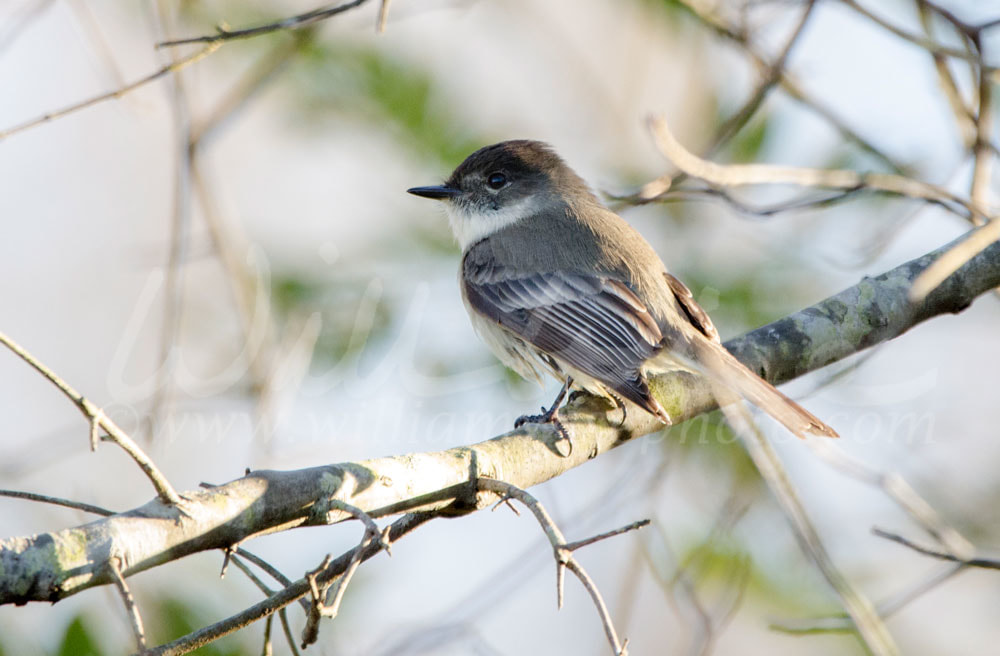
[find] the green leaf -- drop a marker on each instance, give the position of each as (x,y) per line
(373,86)
(173,618)
(78,640)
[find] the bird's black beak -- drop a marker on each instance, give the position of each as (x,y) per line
(437,192)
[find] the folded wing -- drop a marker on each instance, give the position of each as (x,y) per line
(594,324)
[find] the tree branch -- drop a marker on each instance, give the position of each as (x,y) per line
(52,566)
(223,33)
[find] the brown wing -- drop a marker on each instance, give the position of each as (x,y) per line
(698,317)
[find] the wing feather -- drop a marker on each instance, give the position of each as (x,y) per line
(595,324)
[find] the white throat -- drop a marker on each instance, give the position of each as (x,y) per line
(471,227)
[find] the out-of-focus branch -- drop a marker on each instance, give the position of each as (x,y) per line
(968,561)
(736,175)
(117,93)
(871,629)
(707,12)
(970,246)
(180,227)
(771,76)
(53,566)
(927,44)
(223,33)
(885,609)
(56,501)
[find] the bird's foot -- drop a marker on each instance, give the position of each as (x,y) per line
(550,416)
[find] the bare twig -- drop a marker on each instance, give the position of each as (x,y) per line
(952,260)
(249,84)
(322,592)
(892,605)
(135,619)
(706,12)
(180,225)
(983,563)
(870,626)
(90,25)
(982,167)
(563,552)
(267,649)
(964,118)
(282,614)
(383,16)
(897,489)
(664,195)
(573,546)
(93,413)
(927,44)
(772,75)
(735,175)
(76,505)
(282,597)
(117,93)
(222,33)
(680,580)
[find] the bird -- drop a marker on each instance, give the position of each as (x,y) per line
(556,283)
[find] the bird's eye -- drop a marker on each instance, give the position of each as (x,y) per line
(496,180)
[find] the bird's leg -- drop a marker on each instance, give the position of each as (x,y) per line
(550,416)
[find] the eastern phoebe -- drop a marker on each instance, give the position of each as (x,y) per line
(554,281)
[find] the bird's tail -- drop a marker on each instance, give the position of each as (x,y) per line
(719,364)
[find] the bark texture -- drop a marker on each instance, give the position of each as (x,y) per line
(51,566)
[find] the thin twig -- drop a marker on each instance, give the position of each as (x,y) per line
(383,16)
(283,597)
(927,44)
(573,546)
(563,553)
(887,608)
(269,592)
(952,260)
(336,587)
(91,26)
(692,194)
(117,93)
(896,488)
(771,76)
(964,118)
(705,12)
(248,85)
(180,225)
(982,167)
(298,21)
(76,505)
(870,626)
(135,619)
(735,175)
(267,649)
(93,413)
(984,563)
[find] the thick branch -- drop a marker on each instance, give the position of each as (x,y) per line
(51,566)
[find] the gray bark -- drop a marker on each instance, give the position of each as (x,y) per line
(51,566)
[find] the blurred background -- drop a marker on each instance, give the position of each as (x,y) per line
(226,260)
